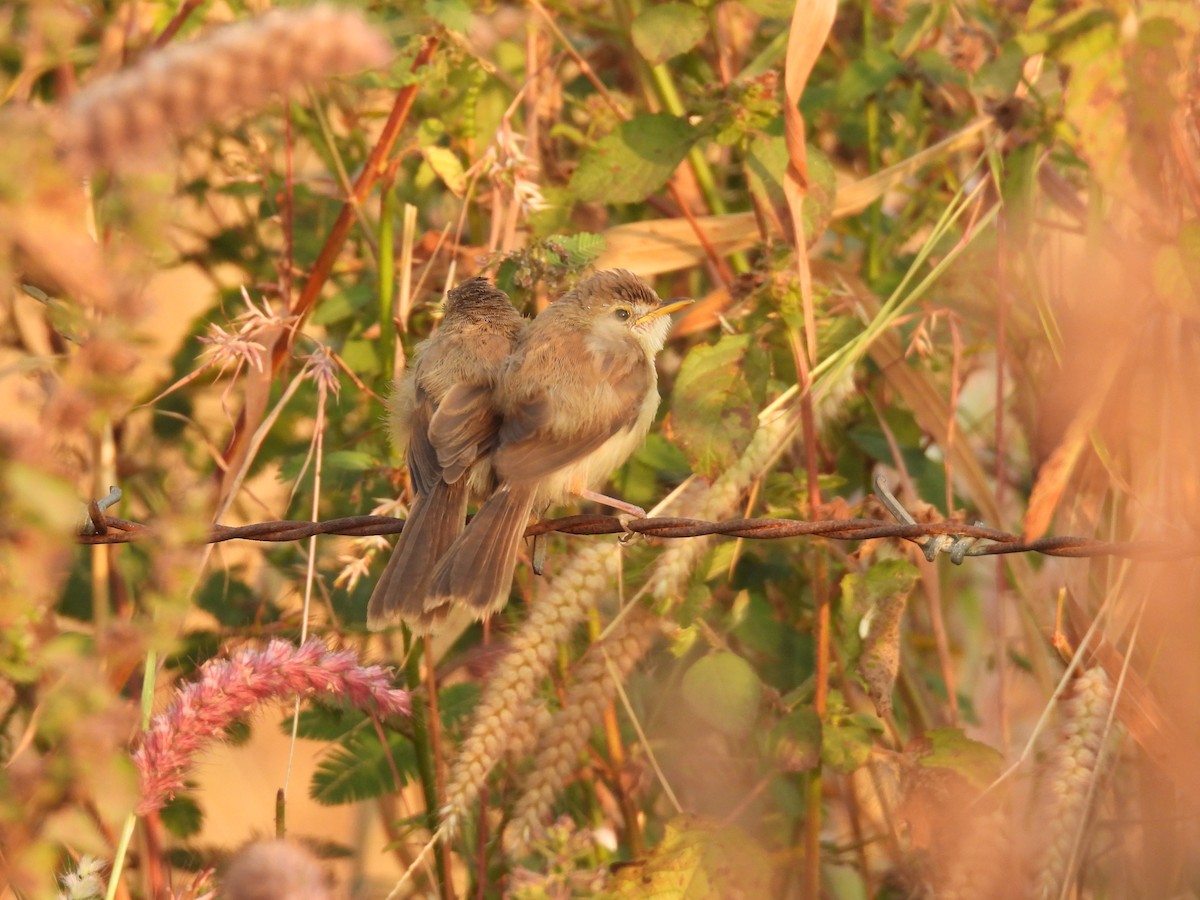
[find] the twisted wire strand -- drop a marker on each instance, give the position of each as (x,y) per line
(991,542)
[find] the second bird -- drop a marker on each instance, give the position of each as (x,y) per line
(477,334)
(574,400)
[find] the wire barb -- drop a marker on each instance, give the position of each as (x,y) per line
(958,546)
(96,523)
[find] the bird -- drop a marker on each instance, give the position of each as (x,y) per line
(574,399)
(478,332)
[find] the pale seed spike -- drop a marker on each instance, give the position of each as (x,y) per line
(503,719)
(563,740)
(1078,759)
(237,68)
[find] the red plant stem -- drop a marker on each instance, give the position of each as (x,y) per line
(375,167)
(177,20)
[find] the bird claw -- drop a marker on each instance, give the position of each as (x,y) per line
(630,535)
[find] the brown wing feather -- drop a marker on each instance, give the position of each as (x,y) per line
(534,443)
(423,465)
(463,428)
(477,570)
(435,520)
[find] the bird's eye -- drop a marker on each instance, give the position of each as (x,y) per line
(622,313)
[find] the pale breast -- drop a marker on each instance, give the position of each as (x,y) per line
(594,469)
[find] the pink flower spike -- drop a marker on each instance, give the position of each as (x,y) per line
(227,690)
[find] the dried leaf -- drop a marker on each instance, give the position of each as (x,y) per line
(699,860)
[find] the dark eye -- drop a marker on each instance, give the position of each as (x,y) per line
(622,314)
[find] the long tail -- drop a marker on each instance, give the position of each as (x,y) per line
(477,570)
(435,520)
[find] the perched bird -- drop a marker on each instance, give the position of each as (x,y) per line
(477,334)
(574,400)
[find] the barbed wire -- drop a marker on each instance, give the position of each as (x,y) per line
(957,539)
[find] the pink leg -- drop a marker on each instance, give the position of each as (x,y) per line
(614,503)
(538,554)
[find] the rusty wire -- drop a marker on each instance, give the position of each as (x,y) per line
(983,541)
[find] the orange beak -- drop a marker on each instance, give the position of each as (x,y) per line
(666,309)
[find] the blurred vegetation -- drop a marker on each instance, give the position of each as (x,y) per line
(1003,226)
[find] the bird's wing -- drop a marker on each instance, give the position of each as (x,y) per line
(423,465)
(549,431)
(462,429)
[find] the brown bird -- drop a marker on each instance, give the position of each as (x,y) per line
(574,400)
(478,332)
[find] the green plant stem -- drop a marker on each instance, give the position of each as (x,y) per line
(664,87)
(812,837)
(668,95)
(425,761)
(151,669)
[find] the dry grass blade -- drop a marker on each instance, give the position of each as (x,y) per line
(811,23)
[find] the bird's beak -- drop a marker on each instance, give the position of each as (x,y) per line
(665,310)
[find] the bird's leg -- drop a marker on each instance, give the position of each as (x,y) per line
(614,503)
(537,554)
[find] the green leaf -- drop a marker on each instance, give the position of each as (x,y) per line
(182,816)
(361,357)
(454,15)
(919,20)
(456,702)
(350,461)
(322,722)
(349,303)
(712,408)
(233,603)
(772,9)
(846,745)
(634,161)
(888,578)
(697,860)
(867,76)
(666,30)
(951,749)
(578,250)
(724,690)
(1094,103)
(766,163)
(847,738)
(358,768)
(795,741)
(448,167)
(999,76)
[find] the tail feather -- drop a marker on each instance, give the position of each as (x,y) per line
(436,519)
(477,570)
